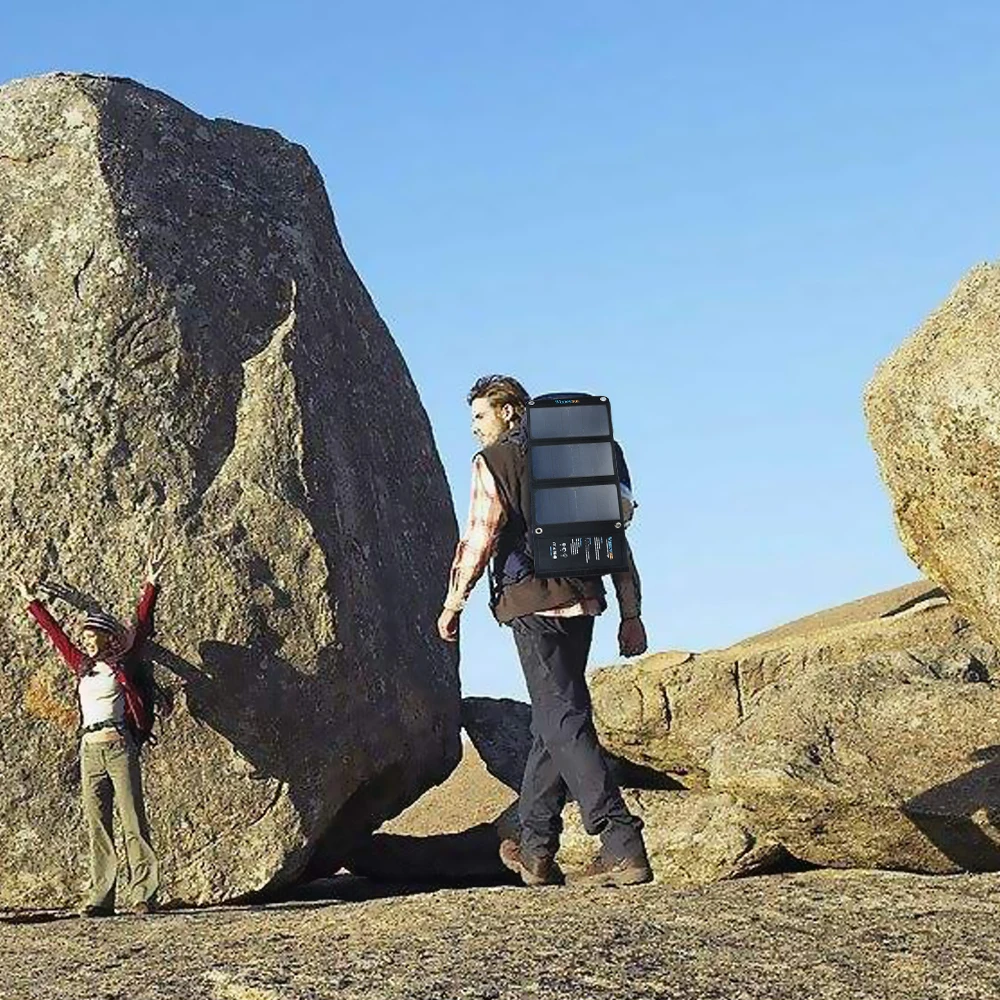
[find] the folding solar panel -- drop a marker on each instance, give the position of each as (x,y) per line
(577,527)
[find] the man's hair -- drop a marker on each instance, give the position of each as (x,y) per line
(500,390)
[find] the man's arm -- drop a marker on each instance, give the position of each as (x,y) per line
(628,587)
(486,517)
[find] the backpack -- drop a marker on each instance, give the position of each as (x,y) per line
(576,475)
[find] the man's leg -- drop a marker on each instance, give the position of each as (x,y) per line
(543,795)
(95,786)
(123,767)
(553,655)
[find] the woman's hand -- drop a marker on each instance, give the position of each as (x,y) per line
(155,554)
(26,591)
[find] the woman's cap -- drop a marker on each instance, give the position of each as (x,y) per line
(98,621)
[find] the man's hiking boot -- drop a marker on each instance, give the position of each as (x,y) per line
(533,871)
(144,906)
(96,910)
(603,870)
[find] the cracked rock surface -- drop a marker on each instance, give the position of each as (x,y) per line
(863,736)
(189,342)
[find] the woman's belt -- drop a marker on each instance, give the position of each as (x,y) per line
(106,724)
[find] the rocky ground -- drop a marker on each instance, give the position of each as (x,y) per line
(806,935)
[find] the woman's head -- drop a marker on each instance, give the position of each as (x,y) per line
(102,635)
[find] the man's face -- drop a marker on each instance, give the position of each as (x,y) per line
(489,423)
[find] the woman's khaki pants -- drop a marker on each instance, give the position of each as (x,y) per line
(110,777)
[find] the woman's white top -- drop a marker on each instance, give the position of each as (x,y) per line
(102,698)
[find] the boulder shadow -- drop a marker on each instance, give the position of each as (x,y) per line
(243,693)
(944,814)
(466,859)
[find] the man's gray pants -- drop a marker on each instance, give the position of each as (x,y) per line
(566,757)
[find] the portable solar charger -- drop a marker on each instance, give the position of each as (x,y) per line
(577,523)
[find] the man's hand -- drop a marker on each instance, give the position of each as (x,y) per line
(448,625)
(631,637)
(155,551)
(26,590)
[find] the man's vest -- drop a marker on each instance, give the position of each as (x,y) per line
(514,588)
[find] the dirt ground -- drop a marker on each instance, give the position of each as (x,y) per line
(806,936)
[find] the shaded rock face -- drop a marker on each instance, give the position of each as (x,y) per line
(933,413)
(189,341)
(500,730)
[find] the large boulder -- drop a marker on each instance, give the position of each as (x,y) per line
(665,710)
(878,764)
(185,339)
(692,837)
(500,732)
(859,737)
(933,412)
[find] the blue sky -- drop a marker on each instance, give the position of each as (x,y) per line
(722,216)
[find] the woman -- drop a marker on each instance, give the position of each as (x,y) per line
(112,713)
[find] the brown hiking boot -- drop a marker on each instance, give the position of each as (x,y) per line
(533,871)
(603,870)
(145,906)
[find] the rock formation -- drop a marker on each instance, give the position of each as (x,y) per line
(858,737)
(665,710)
(185,341)
(933,411)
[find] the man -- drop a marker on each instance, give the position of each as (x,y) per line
(553,623)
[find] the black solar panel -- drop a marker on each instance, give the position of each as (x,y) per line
(566,461)
(576,517)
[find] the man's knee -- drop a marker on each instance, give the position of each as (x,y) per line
(570,729)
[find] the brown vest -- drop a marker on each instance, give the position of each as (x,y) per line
(514,588)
